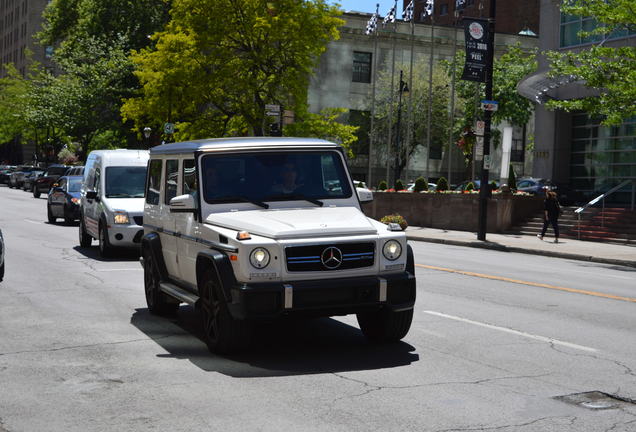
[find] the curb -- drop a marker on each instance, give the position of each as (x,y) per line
(502,248)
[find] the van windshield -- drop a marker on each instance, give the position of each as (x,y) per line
(274,176)
(125,182)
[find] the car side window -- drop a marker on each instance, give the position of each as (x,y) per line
(96,183)
(189,177)
(172,176)
(154,182)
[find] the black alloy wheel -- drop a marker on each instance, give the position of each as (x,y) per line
(223,334)
(85,239)
(158,302)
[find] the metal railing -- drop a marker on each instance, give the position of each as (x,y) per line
(601,198)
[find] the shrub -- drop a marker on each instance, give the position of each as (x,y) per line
(493,185)
(470,186)
(399,185)
(442,184)
(420,184)
(395,218)
(512,179)
(382,185)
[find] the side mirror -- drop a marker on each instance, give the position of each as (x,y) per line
(183,204)
(91,195)
(364,195)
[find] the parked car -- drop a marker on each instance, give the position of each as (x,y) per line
(411,186)
(75,171)
(30,178)
(534,186)
(5,172)
(17,177)
(63,200)
(112,199)
(1,256)
(43,184)
(476,183)
(266,228)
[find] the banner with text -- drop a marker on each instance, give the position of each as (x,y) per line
(478,49)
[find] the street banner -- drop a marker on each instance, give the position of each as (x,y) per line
(478,49)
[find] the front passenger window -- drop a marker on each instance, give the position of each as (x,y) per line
(154,182)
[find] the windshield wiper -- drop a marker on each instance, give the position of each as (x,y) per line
(292,197)
(240,198)
(119,195)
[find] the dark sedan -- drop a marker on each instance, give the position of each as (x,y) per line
(30,178)
(52,174)
(63,200)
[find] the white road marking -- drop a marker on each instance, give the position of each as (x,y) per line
(34,222)
(515,332)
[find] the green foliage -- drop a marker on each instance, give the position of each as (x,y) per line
(420,185)
(219,62)
(609,71)
(324,125)
(67,157)
(399,185)
(493,185)
(383,185)
(395,218)
(107,140)
(442,184)
(512,178)
(470,186)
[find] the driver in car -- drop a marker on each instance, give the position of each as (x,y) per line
(289,180)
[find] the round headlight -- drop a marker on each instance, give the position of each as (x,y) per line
(392,250)
(259,258)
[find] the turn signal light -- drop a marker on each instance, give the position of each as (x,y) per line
(243,235)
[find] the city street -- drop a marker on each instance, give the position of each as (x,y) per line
(500,341)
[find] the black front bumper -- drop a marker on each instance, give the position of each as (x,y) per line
(326,297)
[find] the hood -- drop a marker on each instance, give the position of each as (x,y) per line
(296,223)
(130,205)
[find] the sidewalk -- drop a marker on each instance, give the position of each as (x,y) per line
(566,248)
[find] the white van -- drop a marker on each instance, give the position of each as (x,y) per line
(112,199)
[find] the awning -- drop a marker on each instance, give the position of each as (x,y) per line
(540,88)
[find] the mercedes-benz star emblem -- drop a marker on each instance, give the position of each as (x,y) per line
(331,257)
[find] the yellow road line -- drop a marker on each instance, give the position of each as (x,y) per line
(536,284)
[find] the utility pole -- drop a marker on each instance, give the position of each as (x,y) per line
(484,189)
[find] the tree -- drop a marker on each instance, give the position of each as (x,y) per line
(326,126)
(219,62)
(610,71)
(513,108)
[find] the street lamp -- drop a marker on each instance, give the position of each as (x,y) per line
(147,132)
(404,88)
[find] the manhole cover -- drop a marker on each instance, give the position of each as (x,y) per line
(594,400)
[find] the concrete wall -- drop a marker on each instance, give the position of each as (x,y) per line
(453,211)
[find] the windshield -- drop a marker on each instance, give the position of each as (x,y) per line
(125,182)
(75,184)
(274,176)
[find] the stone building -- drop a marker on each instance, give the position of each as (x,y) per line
(344,79)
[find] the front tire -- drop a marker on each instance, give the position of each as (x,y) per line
(385,325)
(105,249)
(223,333)
(52,219)
(158,302)
(85,239)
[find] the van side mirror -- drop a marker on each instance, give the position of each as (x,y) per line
(183,204)
(364,195)
(91,195)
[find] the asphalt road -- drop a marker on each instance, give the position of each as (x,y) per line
(500,341)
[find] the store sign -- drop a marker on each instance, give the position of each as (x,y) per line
(478,49)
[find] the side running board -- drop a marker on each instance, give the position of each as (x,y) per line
(179,293)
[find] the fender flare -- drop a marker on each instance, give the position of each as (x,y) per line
(221,267)
(152,243)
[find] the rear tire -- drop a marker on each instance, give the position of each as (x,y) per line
(158,302)
(223,333)
(385,325)
(85,239)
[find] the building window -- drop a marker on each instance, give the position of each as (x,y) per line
(361,67)
(436,150)
(571,25)
(443,9)
(517,152)
(362,119)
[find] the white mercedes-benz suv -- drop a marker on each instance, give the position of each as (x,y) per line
(250,229)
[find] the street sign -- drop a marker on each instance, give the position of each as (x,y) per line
(488,105)
(272,113)
(487,161)
(480,127)
(272,108)
(479,148)
(168,128)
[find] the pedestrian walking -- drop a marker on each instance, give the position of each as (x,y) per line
(551,213)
